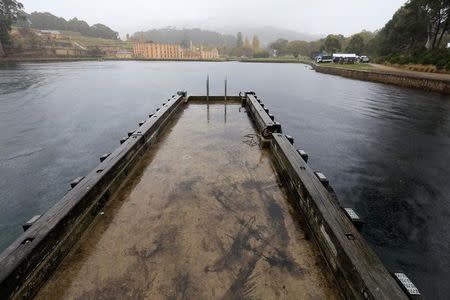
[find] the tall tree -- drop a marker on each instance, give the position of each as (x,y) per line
(280,46)
(247,43)
(239,41)
(332,44)
(438,14)
(255,43)
(405,33)
(10,12)
(356,45)
(298,48)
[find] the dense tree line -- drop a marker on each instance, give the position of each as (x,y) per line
(197,36)
(246,48)
(417,33)
(359,43)
(47,21)
(10,12)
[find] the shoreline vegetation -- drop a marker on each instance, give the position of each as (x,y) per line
(43,37)
(435,82)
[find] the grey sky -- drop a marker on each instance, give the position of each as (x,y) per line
(317,17)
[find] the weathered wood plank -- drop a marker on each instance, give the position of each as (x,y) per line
(357,269)
(260,116)
(214,99)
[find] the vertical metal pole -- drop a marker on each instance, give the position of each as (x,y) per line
(225,115)
(226,83)
(207,98)
(207,88)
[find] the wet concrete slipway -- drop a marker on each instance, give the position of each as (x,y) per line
(202,216)
(383,148)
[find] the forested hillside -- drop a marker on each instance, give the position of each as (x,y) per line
(197,36)
(48,21)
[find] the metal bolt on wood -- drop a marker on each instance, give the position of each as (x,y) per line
(76,181)
(104,156)
(30,222)
(303,154)
(322,178)
(290,139)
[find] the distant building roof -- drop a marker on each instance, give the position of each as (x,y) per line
(50,31)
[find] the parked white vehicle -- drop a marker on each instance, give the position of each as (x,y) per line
(364,59)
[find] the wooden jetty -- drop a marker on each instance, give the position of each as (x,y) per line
(206,199)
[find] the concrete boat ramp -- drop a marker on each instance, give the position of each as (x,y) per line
(207,199)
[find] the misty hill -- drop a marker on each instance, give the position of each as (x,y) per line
(227,37)
(268,34)
(197,36)
(47,21)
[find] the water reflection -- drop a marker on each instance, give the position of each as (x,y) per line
(14,78)
(401,182)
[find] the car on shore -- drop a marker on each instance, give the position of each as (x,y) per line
(363,59)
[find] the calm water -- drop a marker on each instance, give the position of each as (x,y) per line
(386,150)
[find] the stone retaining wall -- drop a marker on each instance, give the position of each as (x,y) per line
(404,80)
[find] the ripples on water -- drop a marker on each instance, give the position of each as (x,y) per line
(384,148)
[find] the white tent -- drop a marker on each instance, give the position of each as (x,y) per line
(344,55)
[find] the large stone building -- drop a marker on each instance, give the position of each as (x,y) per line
(157,51)
(210,54)
(169,51)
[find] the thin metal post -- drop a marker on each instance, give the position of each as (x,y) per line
(207,88)
(225,102)
(226,83)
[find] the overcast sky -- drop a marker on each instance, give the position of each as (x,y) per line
(309,16)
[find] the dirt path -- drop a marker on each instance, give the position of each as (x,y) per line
(435,76)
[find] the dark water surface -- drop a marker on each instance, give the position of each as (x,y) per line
(385,149)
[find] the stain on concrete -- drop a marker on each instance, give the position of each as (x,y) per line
(191,223)
(281,259)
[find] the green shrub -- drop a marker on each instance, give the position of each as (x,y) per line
(261,54)
(447,67)
(438,57)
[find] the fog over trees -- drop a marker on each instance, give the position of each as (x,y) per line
(196,35)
